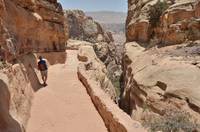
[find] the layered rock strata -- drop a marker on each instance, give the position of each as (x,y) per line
(161,61)
(28,26)
(160,80)
(163,22)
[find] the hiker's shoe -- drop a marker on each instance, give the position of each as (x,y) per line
(45,84)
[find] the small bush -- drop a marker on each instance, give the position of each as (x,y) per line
(3,64)
(156,11)
(172,121)
(116,84)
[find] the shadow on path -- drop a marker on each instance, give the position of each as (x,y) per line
(29,62)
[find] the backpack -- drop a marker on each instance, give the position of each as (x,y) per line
(42,66)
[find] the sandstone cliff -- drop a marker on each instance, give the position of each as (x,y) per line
(17,84)
(82,27)
(26,26)
(161,63)
(164,22)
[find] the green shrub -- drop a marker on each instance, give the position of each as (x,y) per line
(116,84)
(172,121)
(156,11)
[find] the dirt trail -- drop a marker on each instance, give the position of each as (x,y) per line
(64,105)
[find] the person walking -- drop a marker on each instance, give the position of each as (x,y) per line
(42,66)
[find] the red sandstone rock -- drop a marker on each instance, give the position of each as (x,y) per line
(168,32)
(31,26)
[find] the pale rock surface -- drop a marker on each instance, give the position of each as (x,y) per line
(116,120)
(18,84)
(75,44)
(96,69)
(157,80)
(161,79)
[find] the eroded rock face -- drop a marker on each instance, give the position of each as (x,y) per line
(97,71)
(82,27)
(158,80)
(28,25)
(161,61)
(179,21)
(115,119)
(17,85)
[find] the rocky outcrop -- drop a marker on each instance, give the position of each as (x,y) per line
(76,44)
(96,70)
(158,80)
(163,22)
(82,27)
(115,119)
(27,26)
(17,83)
(161,62)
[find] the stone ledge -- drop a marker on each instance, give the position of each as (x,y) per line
(114,118)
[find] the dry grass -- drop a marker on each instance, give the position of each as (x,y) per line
(172,121)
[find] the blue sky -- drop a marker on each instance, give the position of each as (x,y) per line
(95,5)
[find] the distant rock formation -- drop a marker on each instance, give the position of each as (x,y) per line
(165,22)
(82,27)
(161,60)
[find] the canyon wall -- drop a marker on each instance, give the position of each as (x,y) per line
(26,26)
(161,63)
(84,28)
(164,22)
(18,83)
(92,73)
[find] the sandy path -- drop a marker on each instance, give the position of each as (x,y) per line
(64,105)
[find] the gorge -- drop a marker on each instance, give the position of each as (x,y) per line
(149,83)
